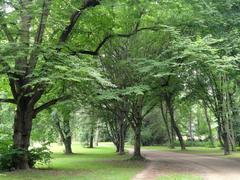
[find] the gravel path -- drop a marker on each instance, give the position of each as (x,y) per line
(209,167)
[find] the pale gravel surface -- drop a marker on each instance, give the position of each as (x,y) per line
(208,167)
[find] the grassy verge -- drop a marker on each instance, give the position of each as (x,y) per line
(86,164)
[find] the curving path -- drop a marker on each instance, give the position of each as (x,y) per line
(209,167)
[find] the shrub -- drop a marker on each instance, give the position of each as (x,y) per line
(40,155)
(9,154)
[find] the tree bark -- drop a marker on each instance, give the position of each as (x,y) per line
(173,123)
(122,133)
(137,144)
(22,131)
(68,145)
(97,135)
(165,119)
(209,126)
(91,138)
(190,127)
(225,143)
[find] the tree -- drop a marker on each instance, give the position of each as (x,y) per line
(42,48)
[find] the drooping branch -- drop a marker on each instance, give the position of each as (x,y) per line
(7,101)
(111,36)
(49,104)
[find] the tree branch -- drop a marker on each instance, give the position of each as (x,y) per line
(8,101)
(150,109)
(74,17)
(5,29)
(39,35)
(7,33)
(49,103)
(43,20)
(111,36)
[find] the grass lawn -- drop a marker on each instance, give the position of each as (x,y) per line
(101,163)
(196,150)
(191,150)
(179,177)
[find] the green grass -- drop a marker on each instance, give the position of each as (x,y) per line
(196,150)
(102,163)
(179,177)
(189,150)
(87,164)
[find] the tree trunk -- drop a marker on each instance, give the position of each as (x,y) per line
(226,143)
(165,119)
(173,123)
(117,146)
(22,131)
(225,134)
(209,126)
(66,135)
(173,136)
(97,136)
(190,127)
(121,139)
(233,109)
(137,144)
(91,138)
(68,145)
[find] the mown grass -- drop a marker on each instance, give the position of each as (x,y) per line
(86,164)
(102,163)
(192,150)
(217,151)
(179,177)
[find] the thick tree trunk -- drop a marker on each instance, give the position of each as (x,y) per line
(226,144)
(117,147)
(121,149)
(225,135)
(137,144)
(68,145)
(22,132)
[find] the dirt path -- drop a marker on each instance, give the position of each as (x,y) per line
(209,167)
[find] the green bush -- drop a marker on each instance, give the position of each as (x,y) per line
(41,155)
(9,154)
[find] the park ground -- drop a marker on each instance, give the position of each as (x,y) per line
(102,163)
